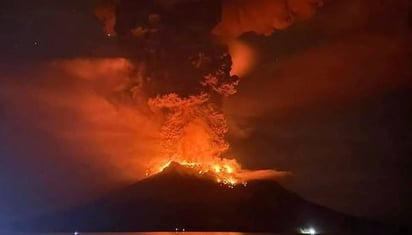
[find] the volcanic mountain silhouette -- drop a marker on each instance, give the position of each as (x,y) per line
(180,198)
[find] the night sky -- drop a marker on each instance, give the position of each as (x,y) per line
(329,100)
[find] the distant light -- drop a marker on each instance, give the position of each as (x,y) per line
(76,233)
(310,231)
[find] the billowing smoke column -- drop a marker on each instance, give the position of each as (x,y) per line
(194,129)
(187,73)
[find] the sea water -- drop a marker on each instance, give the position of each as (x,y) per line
(146,233)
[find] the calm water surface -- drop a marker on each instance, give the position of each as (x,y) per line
(150,233)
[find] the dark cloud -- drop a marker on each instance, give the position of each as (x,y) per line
(343,70)
(328,102)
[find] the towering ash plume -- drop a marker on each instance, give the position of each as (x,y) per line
(186,73)
(195,127)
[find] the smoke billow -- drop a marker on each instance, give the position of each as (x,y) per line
(330,94)
(74,102)
(65,128)
(262,16)
(356,49)
(194,128)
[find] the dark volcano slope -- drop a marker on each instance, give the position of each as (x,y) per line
(177,198)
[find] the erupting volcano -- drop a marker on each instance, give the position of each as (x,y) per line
(191,59)
(194,129)
(193,133)
(160,115)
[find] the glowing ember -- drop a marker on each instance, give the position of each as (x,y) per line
(224,172)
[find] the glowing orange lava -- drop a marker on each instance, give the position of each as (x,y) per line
(224,171)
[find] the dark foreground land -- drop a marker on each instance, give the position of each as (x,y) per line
(177,198)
